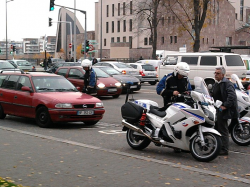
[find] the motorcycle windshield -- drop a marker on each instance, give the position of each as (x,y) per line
(200,86)
(237,82)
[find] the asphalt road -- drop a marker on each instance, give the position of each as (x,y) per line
(72,154)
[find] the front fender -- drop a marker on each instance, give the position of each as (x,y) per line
(205,129)
(244,120)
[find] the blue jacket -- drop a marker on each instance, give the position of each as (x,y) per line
(91,78)
(169,83)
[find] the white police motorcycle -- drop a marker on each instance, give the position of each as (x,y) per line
(184,125)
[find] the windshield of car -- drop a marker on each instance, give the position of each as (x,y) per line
(122,65)
(148,67)
(111,71)
(23,63)
(53,84)
(6,65)
(100,73)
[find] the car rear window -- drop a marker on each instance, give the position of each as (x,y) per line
(148,67)
(121,65)
(234,60)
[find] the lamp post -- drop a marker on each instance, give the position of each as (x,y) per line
(6,31)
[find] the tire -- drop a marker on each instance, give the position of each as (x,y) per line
(43,118)
(116,96)
(152,83)
(137,142)
(211,149)
(2,114)
(239,137)
(90,123)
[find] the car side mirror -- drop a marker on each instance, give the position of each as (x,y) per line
(26,88)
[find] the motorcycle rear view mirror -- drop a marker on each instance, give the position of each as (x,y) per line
(209,86)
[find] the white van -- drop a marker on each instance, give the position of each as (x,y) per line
(203,65)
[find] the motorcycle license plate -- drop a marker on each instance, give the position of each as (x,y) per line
(85,112)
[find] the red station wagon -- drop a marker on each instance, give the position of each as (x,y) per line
(46,97)
(105,86)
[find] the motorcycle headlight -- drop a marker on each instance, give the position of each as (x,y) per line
(101,85)
(63,105)
(99,105)
(118,84)
(245,98)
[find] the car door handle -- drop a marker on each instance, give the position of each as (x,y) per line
(15,97)
(1,94)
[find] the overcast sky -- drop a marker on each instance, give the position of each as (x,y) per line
(29,18)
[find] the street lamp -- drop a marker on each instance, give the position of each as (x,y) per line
(6,31)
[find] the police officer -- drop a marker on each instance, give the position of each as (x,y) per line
(174,83)
(89,77)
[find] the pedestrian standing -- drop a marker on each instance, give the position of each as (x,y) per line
(223,90)
(94,61)
(72,59)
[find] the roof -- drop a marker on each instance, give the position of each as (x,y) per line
(229,48)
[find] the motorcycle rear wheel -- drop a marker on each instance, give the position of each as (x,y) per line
(208,152)
(137,141)
(239,137)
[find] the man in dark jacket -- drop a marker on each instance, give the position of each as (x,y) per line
(224,91)
(174,83)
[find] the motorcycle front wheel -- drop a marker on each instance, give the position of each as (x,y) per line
(209,151)
(137,141)
(241,137)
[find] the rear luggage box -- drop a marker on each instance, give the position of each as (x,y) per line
(131,112)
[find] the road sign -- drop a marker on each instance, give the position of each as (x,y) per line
(70,45)
(92,42)
(94,51)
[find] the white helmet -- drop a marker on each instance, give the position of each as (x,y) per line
(86,63)
(182,68)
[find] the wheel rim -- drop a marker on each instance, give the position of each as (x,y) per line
(135,138)
(43,117)
(206,151)
(242,136)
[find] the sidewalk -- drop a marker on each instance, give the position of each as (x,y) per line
(34,160)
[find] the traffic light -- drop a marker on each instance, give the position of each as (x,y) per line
(87,46)
(14,48)
(51,5)
(0,51)
(50,22)
(11,46)
(82,51)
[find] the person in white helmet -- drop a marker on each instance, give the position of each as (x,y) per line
(89,77)
(174,83)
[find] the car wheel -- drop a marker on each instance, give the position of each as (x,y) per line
(116,96)
(43,118)
(2,114)
(152,83)
(90,123)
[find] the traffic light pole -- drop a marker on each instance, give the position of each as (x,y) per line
(85,35)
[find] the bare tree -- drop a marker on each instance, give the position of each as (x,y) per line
(191,15)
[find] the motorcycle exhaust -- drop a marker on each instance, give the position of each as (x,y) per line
(136,129)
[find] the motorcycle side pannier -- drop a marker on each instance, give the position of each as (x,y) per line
(131,112)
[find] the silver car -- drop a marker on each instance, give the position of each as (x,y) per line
(22,64)
(124,68)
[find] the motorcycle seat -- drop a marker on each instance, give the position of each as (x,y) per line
(155,110)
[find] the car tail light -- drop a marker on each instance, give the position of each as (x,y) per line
(156,68)
(124,72)
(141,72)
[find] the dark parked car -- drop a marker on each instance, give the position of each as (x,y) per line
(105,86)
(54,67)
(124,79)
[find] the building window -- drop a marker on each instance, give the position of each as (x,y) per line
(112,40)
(241,10)
(228,40)
(131,7)
(113,25)
(236,16)
(124,8)
(207,40)
(118,39)
(130,25)
(213,41)
(107,11)
(203,41)
(107,27)
(162,21)
(124,39)
(113,10)
(145,41)
(171,39)
(118,26)
(173,21)
(169,20)
(130,42)
(105,42)
(162,40)
(124,25)
(150,41)
(175,39)
(119,7)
